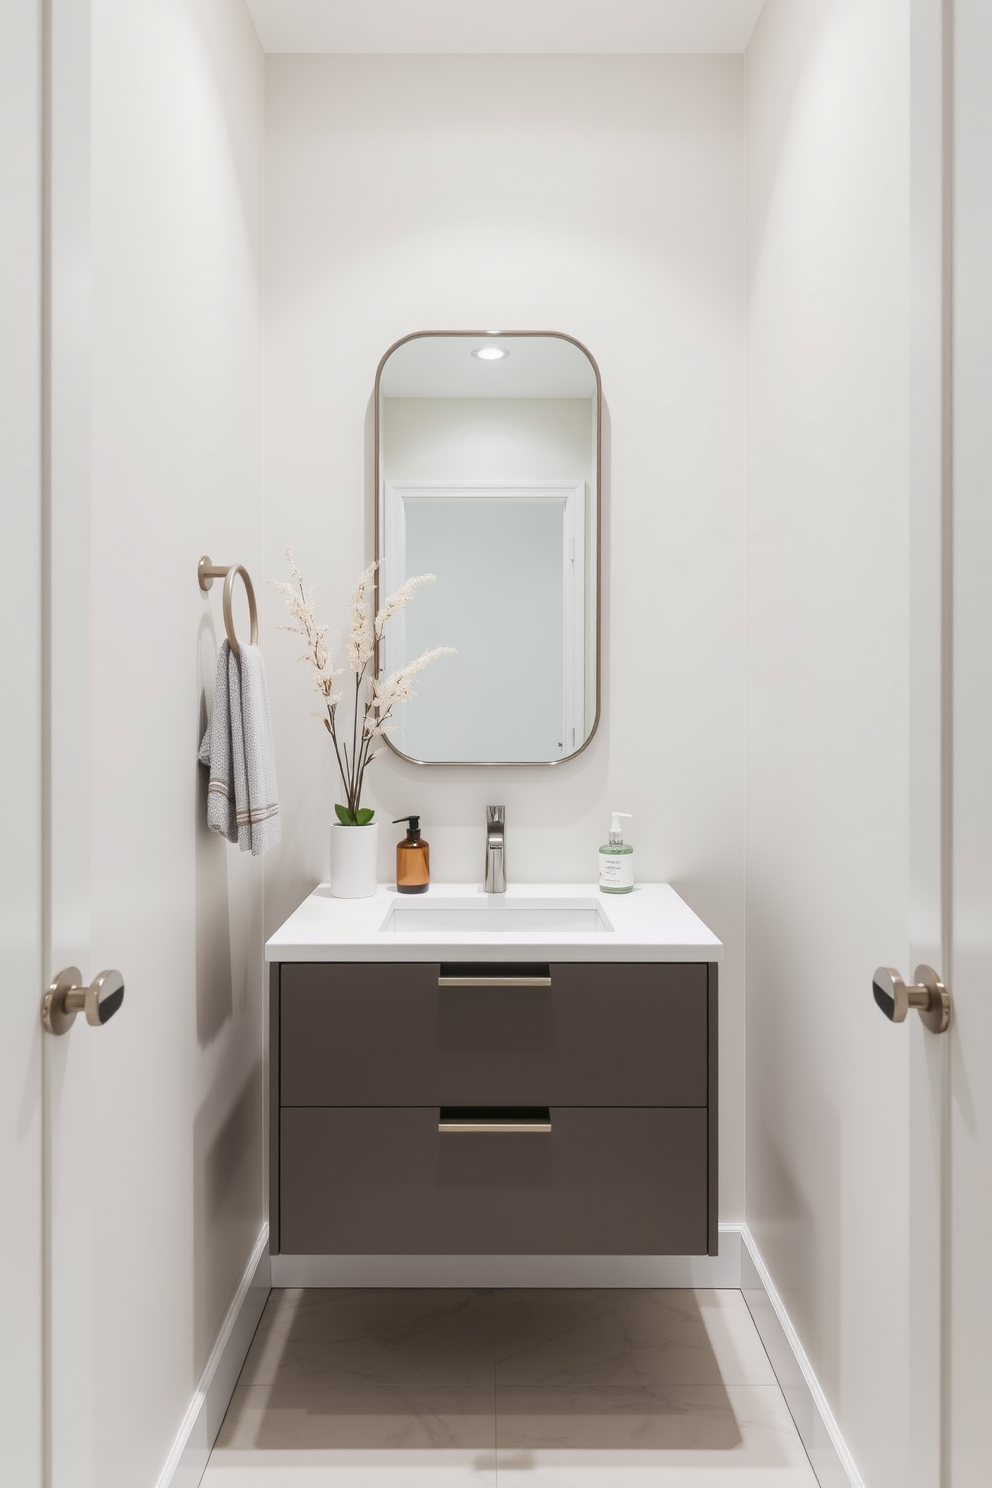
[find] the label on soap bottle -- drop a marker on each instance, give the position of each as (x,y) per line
(616,870)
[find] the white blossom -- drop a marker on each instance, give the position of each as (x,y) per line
(371,719)
(399,600)
(389,691)
(361,641)
(300,605)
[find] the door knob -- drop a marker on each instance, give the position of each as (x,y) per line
(65,998)
(927,995)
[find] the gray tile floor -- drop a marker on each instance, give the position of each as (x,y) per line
(536,1389)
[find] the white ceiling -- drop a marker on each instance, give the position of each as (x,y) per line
(502,26)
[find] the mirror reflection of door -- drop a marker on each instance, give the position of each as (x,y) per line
(488,478)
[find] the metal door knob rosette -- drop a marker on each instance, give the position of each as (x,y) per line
(66,997)
(927,995)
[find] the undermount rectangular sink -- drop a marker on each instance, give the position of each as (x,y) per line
(501,916)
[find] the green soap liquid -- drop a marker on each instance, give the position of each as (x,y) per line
(616,850)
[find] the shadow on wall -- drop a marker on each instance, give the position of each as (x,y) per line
(809,49)
(801,1248)
(227,1202)
(214,973)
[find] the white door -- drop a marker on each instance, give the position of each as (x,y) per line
(21,929)
(950,1110)
(951,578)
(968,1288)
(930,691)
(71,1143)
(47,1381)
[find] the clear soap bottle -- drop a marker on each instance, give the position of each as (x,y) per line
(413,859)
(616,860)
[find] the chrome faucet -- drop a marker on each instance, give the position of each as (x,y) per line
(495,881)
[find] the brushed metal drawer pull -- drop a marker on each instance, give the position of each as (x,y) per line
(494,981)
(513,974)
(494,1119)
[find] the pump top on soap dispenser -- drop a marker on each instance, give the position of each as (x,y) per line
(413,859)
(616,860)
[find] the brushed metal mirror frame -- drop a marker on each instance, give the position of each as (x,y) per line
(504,335)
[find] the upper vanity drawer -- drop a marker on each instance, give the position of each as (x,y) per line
(390,1035)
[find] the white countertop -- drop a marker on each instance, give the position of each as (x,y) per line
(650,924)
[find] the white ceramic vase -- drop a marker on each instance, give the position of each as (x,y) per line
(354,861)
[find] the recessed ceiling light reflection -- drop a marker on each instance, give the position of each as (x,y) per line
(490,353)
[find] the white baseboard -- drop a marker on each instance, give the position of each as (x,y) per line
(825,1446)
(723,1270)
(187,1461)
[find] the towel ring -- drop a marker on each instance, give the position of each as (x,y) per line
(206,572)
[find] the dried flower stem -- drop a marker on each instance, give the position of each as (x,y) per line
(383,694)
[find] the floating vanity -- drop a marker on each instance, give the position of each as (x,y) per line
(520,1074)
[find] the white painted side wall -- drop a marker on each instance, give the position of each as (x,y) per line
(970,1357)
(602,197)
(827,679)
(177,425)
(21,968)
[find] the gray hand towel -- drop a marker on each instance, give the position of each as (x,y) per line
(242,799)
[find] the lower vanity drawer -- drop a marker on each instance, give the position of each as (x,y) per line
(371,1180)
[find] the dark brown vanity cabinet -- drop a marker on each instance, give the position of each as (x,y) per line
(412,1117)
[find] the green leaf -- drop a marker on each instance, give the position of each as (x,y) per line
(365,815)
(345,817)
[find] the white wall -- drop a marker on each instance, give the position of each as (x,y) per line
(177,187)
(827,737)
(598,196)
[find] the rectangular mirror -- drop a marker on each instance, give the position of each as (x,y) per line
(488,476)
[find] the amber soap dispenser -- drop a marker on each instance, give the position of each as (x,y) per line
(413,859)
